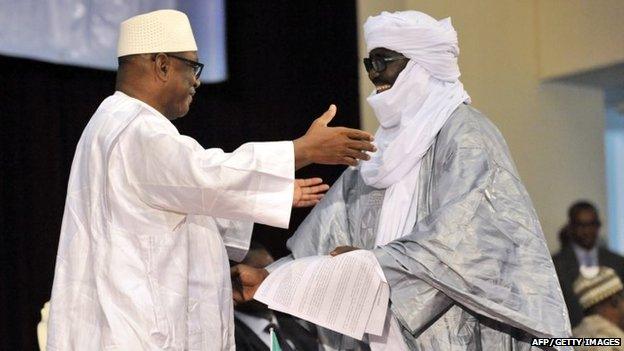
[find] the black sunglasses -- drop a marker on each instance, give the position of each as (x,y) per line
(197,66)
(379,64)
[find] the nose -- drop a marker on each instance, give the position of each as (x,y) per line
(197,83)
(372,74)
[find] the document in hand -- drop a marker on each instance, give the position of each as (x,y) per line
(347,293)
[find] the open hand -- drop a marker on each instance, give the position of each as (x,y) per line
(308,192)
(245,281)
(332,145)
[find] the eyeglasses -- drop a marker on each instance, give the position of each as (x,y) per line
(592,224)
(197,66)
(379,64)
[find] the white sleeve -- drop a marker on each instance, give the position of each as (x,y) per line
(174,173)
(275,265)
(236,237)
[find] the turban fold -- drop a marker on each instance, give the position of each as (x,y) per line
(430,43)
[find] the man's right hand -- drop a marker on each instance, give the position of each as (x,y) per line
(245,282)
(332,145)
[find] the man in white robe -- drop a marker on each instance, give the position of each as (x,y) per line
(142,261)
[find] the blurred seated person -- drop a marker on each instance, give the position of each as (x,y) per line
(253,320)
(579,250)
(601,295)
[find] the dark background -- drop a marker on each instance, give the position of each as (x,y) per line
(287,61)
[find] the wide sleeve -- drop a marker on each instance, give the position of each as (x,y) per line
(326,226)
(236,235)
(481,246)
(174,173)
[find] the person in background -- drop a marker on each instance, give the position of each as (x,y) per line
(601,295)
(582,252)
(254,320)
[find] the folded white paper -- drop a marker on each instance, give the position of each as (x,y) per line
(347,293)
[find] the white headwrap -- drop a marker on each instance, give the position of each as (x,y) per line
(412,112)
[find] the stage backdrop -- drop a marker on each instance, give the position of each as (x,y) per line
(287,62)
(85,32)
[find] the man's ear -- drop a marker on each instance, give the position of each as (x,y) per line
(162,67)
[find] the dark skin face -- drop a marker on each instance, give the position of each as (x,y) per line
(161,81)
(612,309)
(178,83)
(585,228)
(385,80)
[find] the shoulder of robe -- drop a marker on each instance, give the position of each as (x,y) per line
(149,124)
(469,128)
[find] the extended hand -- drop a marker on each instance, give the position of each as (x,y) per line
(246,280)
(308,192)
(332,145)
(343,249)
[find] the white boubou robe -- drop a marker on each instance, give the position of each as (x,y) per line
(142,263)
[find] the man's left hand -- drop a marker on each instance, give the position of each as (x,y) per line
(308,192)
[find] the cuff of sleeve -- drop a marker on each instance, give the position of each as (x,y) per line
(277,163)
(275,265)
(383,257)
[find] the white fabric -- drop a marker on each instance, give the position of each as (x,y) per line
(141,263)
(391,338)
(429,42)
(156,31)
(412,112)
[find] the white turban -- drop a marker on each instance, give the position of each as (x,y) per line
(412,112)
(431,44)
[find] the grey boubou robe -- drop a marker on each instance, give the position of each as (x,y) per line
(475,272)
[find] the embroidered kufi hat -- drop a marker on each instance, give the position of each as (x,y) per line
(157,31)
(593,288)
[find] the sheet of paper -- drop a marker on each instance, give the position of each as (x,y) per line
(377,318)
(338,293)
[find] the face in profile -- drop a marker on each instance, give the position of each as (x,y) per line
(385,67)
(182,84)
(585,227)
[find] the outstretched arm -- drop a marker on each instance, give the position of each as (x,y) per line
(331,145)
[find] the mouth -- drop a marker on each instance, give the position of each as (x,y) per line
(382,87)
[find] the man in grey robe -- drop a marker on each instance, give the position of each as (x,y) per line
(441,206)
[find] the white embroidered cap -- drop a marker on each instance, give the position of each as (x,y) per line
(594,289)
(157,31)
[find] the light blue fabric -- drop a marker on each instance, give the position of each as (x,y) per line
(588,258)
(475,272)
